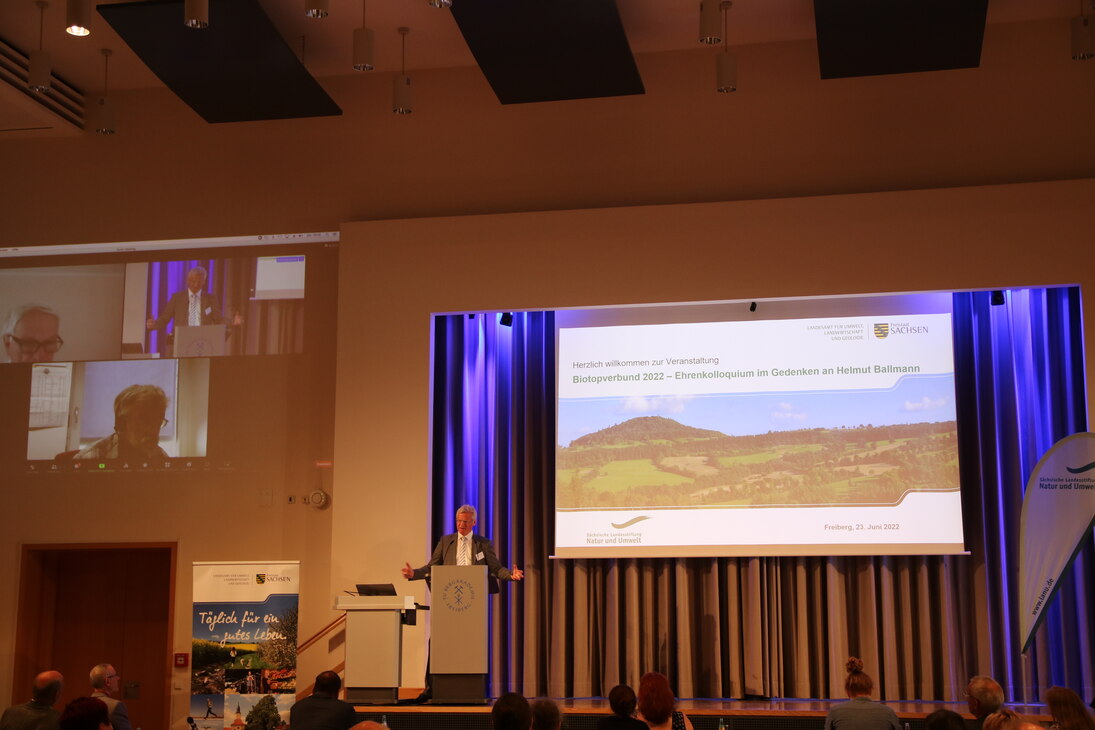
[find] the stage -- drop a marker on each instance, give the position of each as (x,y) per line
(583,713)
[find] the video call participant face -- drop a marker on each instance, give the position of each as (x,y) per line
(34,338)
(195,280)
(138,424)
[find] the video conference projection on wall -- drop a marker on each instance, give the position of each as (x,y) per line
(207,355)
(792,427)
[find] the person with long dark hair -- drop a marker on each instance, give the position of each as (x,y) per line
(1068,710)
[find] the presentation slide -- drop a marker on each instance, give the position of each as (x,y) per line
(797,436)
(279,277)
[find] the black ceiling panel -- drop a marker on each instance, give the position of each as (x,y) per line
(549,50)
(874,37)
(239,69)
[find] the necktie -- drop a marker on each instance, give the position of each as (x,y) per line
(195,310)
(462,554)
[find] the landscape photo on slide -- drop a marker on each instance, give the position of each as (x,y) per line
(663,460)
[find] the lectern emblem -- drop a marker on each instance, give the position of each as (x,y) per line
(458,595)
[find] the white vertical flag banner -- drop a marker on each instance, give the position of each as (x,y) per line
(244,646)
(1058,512)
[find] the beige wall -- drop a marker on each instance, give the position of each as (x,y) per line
(1024,116)
(405,270)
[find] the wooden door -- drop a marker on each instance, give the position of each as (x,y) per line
(80,606)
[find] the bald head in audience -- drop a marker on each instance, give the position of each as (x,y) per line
(369,725)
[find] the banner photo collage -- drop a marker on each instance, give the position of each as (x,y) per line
(244,644)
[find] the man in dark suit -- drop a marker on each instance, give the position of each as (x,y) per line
(462,548)
(323,710)
(38,714)
(191,307)
(105,682)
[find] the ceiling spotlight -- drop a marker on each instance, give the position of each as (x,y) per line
(363,45)
(439,3)
(726,64)
(709,21)
(316,8)
(401,86)
(78,17)
(104,116)
(1083,38)
(196,14)
(38,76)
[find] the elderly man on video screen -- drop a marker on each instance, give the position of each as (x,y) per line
(30,334)
(138,417)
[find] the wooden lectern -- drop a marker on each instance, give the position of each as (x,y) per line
(458,633)
(374,646)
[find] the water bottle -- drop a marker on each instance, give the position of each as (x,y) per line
(384,721)
(722,724)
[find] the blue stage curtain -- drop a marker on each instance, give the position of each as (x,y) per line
(777,627)
(1021,389)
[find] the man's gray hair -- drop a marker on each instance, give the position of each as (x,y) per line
(469,509)
(988,693)
(17,313)
(201,270)
(99,674)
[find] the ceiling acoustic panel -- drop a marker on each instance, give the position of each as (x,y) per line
(875,37)
(239,69)
(532,50)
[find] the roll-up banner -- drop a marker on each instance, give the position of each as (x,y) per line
(244,644)
(1058,511)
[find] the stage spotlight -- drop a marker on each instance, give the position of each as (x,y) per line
(752,306)
(997,297)
(506,319)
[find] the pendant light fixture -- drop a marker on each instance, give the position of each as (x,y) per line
(709,22)
(78,17)
(363,44)
(38,74)
(196,14)
(401,87)
(105,122)
(726,64)
(1083,36)
(316,8)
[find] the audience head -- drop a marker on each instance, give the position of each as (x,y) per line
(546,715)
(1068,709)
(511,712)
(984,696)
(622,700)
(47,687)
(656,701)
(369,725)
(327,683)
(944,720)
(858,683)
(85,713)
(31,334)
(104,678)
(1004,719)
